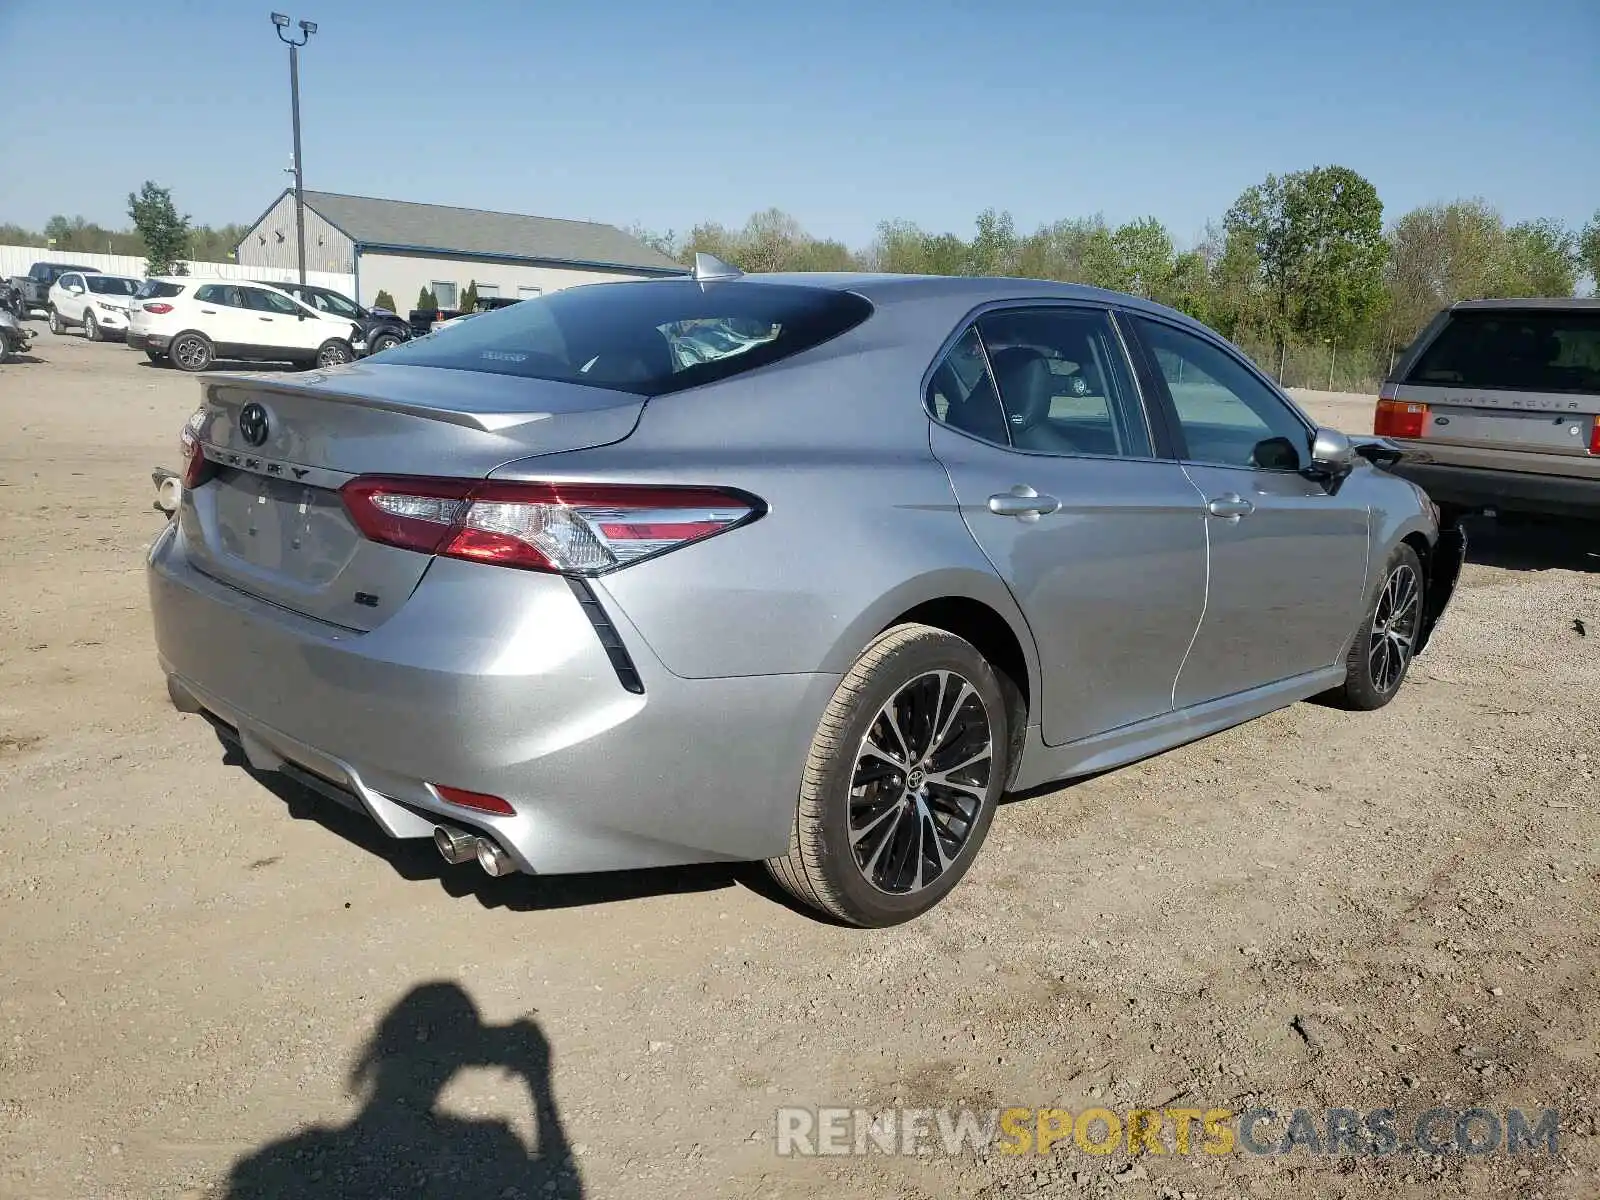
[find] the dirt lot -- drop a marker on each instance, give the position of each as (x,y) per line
(1321,909)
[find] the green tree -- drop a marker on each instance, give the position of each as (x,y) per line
(469,298)
(384,300)
(994,250)
(1588,251)
(16,235)
(207,244)
(1541,260)
(1144,257)
(1439,254)
(1188,286)
(426,301)
(1317,236)
(661,242)
(165,233)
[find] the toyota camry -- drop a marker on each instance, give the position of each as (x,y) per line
(809,569)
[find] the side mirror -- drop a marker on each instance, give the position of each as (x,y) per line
(75,290)
(1332,455)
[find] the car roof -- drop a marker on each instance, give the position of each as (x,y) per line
(968,291)
(1525,303)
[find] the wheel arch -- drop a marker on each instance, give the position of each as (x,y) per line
(971,605)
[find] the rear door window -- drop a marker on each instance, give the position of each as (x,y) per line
(961,393)
(649,338)
(1530,351)
(220,293)
(272,302)
(1064,382)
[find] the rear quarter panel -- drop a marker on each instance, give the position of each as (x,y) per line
(861,523)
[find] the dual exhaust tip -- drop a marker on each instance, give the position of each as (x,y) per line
(457,846)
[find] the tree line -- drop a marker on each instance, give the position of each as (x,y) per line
(159,234)
(1301,271)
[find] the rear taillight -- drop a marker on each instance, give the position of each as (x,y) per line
(196,470)
(1400,418)
(1594,437)
(573,528)
(156,307)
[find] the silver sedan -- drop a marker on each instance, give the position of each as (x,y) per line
(806,569)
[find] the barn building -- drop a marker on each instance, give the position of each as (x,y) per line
(401,248)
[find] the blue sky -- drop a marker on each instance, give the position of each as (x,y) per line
(841,113)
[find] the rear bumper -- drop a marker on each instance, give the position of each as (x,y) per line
(1518,491)
(495,681)
(148,341)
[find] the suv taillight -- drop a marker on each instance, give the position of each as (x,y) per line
(1594,437)
(1399,418)
(571,528)
(156,307)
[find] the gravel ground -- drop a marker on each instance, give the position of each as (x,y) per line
(217,986)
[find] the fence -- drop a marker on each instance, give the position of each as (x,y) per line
(15,260)
(1323,367)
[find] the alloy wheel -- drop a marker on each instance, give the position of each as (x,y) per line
(1394,628)
(921,780)
(190,353)
(332,356)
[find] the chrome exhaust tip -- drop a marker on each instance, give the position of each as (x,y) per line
(455,846)
(493,859)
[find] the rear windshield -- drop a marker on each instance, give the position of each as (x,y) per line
(1549,351)
(111,285)
(649,337)
(155,289)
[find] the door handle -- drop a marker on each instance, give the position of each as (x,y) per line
(1022,501)
(210,312)
(1230,505)
(263,318)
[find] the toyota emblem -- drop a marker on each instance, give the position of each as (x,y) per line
(253,424)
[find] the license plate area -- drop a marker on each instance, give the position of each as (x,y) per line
(1551,432)
(281,527)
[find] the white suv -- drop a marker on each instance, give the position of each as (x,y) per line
(194,322)
(97,303)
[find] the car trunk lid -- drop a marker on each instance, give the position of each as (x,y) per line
(270,520)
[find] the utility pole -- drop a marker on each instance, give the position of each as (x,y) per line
(307,28)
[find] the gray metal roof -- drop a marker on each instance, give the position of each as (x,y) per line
(443,229)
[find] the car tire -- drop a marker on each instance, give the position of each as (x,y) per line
(57,325)
(865,848)
(91,327)
(383,342)
(334,352)
(1382,651)
(191,351)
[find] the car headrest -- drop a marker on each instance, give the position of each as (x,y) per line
(1026,385)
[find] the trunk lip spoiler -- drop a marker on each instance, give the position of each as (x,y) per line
(321,385)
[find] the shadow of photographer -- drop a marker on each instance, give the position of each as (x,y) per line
(399,1145)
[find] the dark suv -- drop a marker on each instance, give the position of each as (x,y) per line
(379,329)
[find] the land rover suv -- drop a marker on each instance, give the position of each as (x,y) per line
(1496,407)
